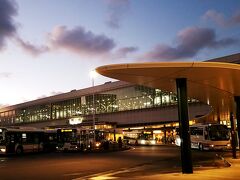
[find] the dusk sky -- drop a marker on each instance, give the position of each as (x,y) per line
(50,46)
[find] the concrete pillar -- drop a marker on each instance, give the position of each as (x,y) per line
(233,135)
(218,117)
(186,154)
(237,100)
(165,134)
(114,134)
(51,111)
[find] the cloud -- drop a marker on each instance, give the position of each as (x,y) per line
(116,10)
(123,52)
(8,9)
(225,42)
(221,20)
(80,41)
(31,49)
(76,40)
(189,42)
(5,75)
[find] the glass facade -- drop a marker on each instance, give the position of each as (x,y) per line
(122,99)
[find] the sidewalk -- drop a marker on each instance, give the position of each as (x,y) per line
(232,172)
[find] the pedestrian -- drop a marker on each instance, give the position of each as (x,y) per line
(120,142)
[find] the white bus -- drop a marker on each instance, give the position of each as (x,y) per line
(78,139)
(20,140)
(208,137)
(139,138)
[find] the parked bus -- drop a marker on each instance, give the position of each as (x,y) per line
(50,140)
(75,139)
(67,139)
(140,139)
(20,140)
(87,138)
(208,137)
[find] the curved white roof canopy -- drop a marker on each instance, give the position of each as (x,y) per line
(210,82)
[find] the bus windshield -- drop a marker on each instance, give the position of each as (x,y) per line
(1,138)
(145,136)
(218,132)
(67,135)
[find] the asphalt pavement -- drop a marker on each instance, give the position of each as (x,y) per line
(220,169)
(147,162)
(219,173)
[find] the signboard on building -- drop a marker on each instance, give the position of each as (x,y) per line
(75,120)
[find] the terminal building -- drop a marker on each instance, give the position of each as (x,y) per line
(122,106)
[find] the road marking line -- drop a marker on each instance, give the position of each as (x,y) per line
(72,174)
(108,174)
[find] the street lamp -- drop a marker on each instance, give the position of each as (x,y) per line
(93,75)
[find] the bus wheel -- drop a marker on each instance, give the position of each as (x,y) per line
(19,150)
(200,147)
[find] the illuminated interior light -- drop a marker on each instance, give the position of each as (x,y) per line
(147,103)
(137,128)
(208,101)
(66,130)
(157,131)
(93,74)
(3,150)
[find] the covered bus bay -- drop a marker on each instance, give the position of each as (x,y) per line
(213,83)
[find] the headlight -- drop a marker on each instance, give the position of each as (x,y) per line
(98,144)
(211,145)
(3,150)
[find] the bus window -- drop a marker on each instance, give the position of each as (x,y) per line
(199,131)
(10,138)
(217,133)
(206,134)
(24,138)
(2,138)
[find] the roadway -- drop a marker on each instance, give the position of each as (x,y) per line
(138,161)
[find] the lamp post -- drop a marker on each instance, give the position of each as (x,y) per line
(93,75)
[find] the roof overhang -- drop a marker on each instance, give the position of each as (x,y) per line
(211,82)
